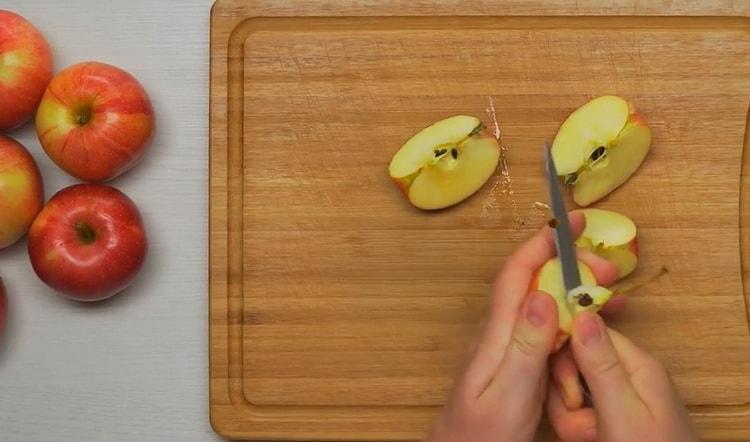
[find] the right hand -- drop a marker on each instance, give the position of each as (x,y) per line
(634,399)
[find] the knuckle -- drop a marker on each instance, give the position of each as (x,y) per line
(524,344)
(607,366)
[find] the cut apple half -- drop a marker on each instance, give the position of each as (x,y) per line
(589,296)
(445,163)
(612,236)
(599,146)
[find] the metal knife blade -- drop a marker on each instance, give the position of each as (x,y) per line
(563,238)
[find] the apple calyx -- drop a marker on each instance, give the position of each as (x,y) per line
(82,115)
(85,232)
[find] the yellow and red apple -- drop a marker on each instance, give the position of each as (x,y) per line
(95,121)
(88,242)
(599,147)
(445,163)
(25,69)
(21,191)
(612,236)
(589,296)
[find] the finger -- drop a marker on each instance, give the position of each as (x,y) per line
(614,306)
(567,379)
(507,296)
(518,379)
(606,273)
(633,358)
(648,376)
(599,362)
(570,426)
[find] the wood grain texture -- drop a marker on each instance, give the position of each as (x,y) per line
(339,312)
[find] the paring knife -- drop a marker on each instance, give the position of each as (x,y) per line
(579,297)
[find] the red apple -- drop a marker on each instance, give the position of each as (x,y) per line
(95,121)
(88,242)
(25,69)
(21,191)
(3,307)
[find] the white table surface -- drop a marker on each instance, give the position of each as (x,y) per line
(134,368)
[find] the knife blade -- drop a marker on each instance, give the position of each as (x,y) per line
(563,237)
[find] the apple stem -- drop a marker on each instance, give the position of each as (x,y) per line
(621,289)
(86,234)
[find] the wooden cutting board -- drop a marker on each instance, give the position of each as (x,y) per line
(339,312)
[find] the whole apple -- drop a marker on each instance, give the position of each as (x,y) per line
(88,242)
(21,191)
(25,69)
(95,121)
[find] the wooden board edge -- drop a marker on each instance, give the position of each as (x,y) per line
(226,414)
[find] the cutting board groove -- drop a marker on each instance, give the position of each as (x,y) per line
(338,312)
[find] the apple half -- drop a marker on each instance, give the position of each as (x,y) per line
(589,296)
(612,236)
(599,146)
(445,163)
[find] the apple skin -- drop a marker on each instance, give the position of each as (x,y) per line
(3,307)
(95,121)
(21,191)
(25,69)
(633,246)
(88,242)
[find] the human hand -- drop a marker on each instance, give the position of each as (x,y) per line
(634,399)
(499,394)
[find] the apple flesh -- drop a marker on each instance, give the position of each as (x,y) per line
(612,236)
(599,147)
(95,121)
(88,242)
(588,296)
(21,191)
(445,163)
(25,69)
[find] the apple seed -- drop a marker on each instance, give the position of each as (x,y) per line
(598,153)
(585,300)
(440,152)
(454,153)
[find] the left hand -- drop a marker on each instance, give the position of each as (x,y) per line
(499,394)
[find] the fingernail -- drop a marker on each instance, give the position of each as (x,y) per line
(589,329)
(590,435)
(536,309)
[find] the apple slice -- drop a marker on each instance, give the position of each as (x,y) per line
(612,236)
(445,163)
(588,296)
(599,146)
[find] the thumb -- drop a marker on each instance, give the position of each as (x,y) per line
(520,375)
(613,393)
